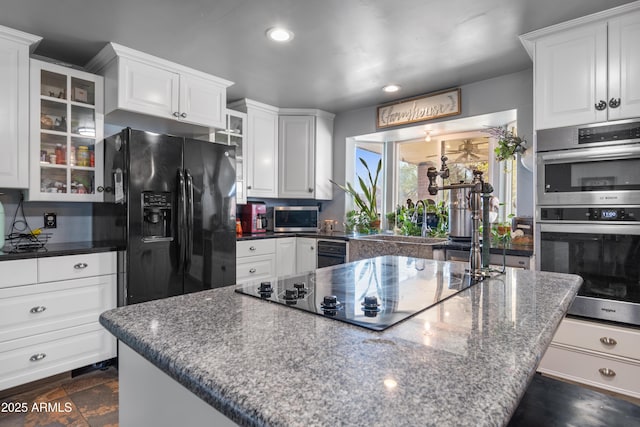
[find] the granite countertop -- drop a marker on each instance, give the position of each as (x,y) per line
(336,235)
(466,361)
(59,249)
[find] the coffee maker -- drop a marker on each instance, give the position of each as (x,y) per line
(253,218)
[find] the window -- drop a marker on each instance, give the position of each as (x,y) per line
(371,153)
(407,153)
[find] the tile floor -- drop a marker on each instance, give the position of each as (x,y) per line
(88,400)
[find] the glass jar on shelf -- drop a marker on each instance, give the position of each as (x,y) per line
(83,157)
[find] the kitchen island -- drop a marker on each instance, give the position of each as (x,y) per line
(465,361)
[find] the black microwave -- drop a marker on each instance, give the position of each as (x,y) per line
(295,219)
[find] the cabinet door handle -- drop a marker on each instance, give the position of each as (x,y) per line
(253,270)
(310,190)
(176,114)
(310,247)
(37,357)
(81,266)
(38,309)
(601,105)
(248,187)
(252,248)
(614,103)
(608,341)
(606,372)
(183,115)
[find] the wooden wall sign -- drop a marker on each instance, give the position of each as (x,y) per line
(419,109)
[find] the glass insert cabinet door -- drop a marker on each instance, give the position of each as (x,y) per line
(234,135)
(66,134)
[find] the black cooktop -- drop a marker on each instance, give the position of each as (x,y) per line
(373,293)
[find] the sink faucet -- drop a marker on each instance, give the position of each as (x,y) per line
(478,262)
(414,218)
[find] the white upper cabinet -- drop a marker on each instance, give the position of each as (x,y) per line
(296,155)
(571,77)
(586,70)
(306,154)
(624,66)
(144,88)
(67,125)
(14,103)
(234,134)
(141,83)
(261,147)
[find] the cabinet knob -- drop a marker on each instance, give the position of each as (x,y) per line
(614,103)
(37,357)
(38,309)
(252,248)
(81,266)
(248,187)
(176,114)
(100,189)
(606,372)
(608,341)
(601,105)
(253,270)
(183,115)
(310,190)
(311,247)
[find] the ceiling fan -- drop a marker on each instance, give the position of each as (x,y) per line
(466,152)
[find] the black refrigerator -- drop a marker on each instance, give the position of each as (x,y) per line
(171,202)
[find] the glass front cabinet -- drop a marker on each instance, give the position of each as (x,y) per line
(66,135)
(234,135)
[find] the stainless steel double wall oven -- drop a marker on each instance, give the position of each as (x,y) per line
(588,214)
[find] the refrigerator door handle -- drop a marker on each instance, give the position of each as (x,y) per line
(182,213)
(189,213)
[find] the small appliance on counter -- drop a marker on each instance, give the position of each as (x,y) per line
(295,219)
(460,214)
(253,218)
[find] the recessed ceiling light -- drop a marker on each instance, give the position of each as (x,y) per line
(279,34)
(391,88)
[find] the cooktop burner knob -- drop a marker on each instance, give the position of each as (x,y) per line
(330,302)
(265,287)
(301,289)
(370,304)
(290,294)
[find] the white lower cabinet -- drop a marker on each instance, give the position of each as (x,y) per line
(270,257)
(286,256)
(49,321)
(599,355)
(255,259)
(306,254)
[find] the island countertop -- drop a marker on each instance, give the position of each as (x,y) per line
(466,361)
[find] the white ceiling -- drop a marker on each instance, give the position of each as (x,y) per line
(343,51)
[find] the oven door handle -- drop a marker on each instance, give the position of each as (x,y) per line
(594,153)
(590,228)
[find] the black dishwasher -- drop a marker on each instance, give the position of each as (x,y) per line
(331,252)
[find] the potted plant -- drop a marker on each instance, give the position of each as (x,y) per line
(365,199)
(508,143)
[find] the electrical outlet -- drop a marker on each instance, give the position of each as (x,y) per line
(50,220)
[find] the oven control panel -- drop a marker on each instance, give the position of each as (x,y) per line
(613,214)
